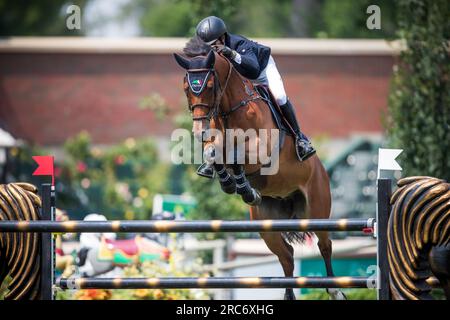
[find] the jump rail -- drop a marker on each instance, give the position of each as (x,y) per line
(217,282)
(44,226)
(190,226)
(32,266)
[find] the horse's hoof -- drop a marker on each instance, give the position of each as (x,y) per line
(336,294)
(256,198)
(205,170)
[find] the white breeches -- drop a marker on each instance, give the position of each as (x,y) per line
(272,78)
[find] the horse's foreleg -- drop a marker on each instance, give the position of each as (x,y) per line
(250,195)
(227,182)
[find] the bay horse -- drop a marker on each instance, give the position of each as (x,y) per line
(223,99)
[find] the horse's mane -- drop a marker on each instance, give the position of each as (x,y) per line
(196,47)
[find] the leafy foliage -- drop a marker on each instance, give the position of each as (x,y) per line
(120,180)
(347,19)
(359,294)
(419,101)
(351,294)
(179,17)
(36,18)
(165,18)
(3,287)
(177,267)
(213,203)
(272,18)
(156,103)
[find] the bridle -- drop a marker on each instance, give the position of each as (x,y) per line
(218,93)
(219,90)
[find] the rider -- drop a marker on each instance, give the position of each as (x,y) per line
(255,62)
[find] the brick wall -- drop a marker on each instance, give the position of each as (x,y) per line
(46,97)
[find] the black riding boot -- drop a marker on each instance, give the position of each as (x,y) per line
(303,145)
(206,170)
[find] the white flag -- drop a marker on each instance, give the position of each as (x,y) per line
(386,159)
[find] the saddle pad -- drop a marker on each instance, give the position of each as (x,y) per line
(276,115)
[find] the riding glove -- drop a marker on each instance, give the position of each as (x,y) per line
(227,52)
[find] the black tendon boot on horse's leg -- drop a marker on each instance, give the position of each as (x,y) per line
(226,180)
(250,195)
(303,145)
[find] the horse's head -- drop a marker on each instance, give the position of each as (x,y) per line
(204,87)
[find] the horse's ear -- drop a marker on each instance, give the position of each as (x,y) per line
(210,59)
(183,62)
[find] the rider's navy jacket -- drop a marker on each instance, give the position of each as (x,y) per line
(254,56)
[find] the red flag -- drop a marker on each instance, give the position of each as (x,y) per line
(45,167)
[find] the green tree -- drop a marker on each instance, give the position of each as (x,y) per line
(419,102)
(179,17)
(347,19)
(167,18)
(120,180)
(263,19)
(225,9)
(36,18)
(269,18)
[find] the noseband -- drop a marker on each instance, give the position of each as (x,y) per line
(219,91)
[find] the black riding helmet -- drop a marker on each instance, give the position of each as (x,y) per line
(210,29)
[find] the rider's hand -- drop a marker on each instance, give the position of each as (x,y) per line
(227,52)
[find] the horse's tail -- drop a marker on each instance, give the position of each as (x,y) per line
(20,252)
(419,224)
(296,237)
(291,207)
(294,206)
